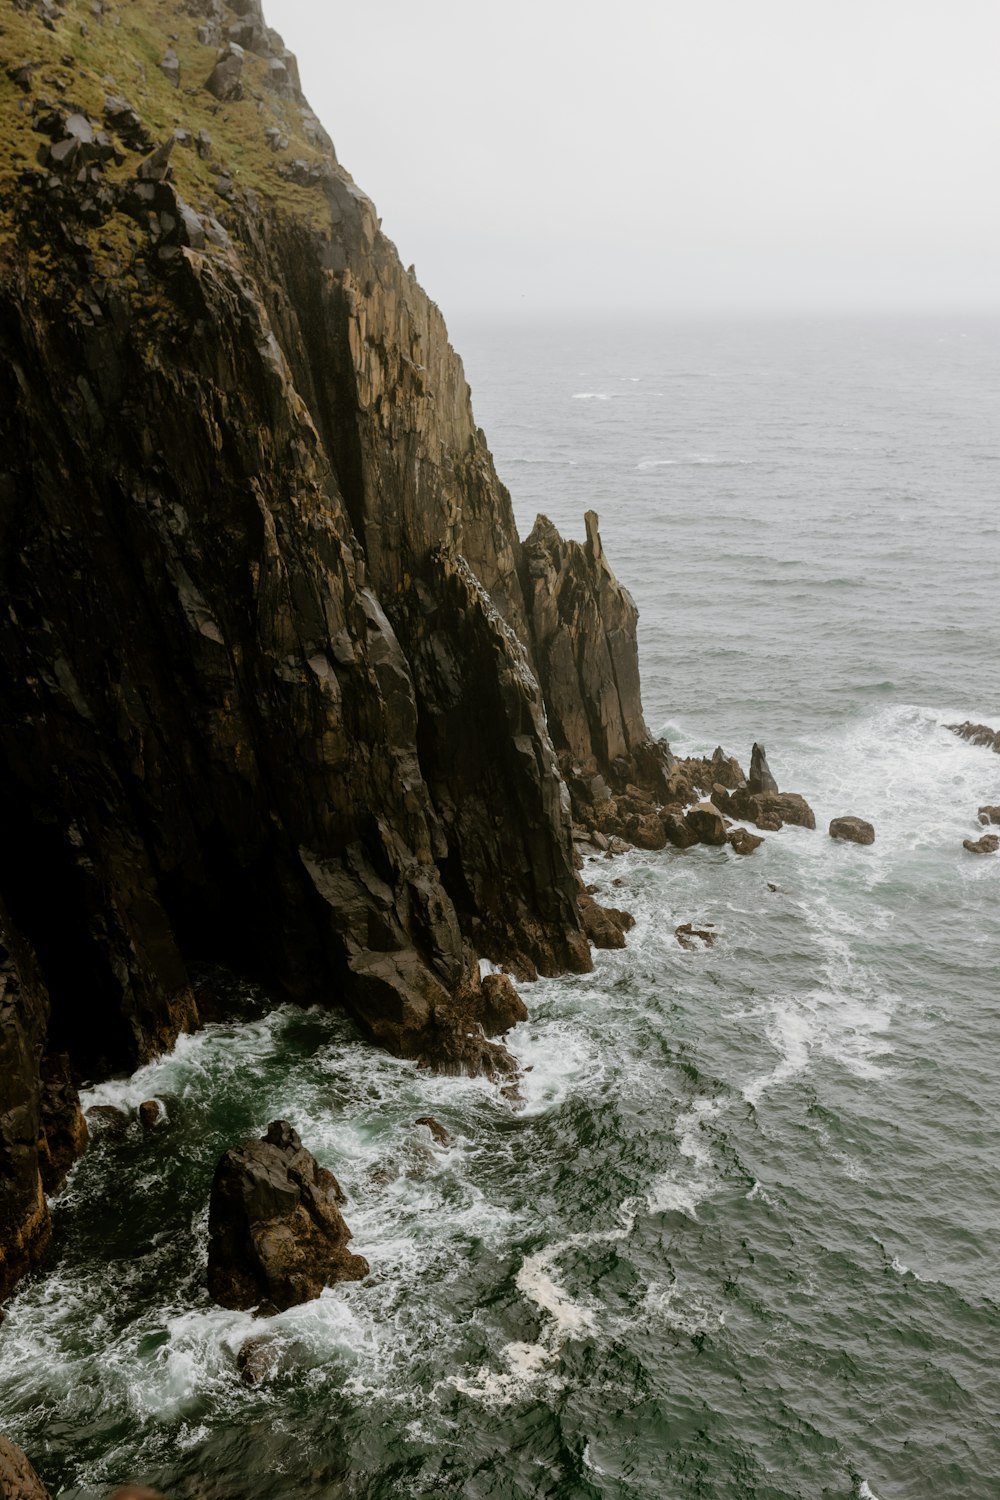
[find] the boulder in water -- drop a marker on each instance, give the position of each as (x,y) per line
(437,1130)
(852,830)
(106,1120)
(978,734)
(151,1114)
(605,926)
(989,815)
(988,844)
(258,1361)
(690,936)
(677,831)
(743,841)
(276,1233)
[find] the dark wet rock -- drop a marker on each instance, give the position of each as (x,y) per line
(677,831)
(854,830)
(605,926)
(989,815)
(978,734)
(151,1114)
(157,164)
(988,844)
(760,778)
(63,1133)
(770,810)
(258,1361)
(437,1130)
(225,79)
(18,1480)
(106,1122)
(692,937)
(276,1233)
(707,823)
(500,1007)
(743,841)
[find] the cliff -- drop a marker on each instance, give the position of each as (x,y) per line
(280,688)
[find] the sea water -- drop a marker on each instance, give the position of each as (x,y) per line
(741,1242)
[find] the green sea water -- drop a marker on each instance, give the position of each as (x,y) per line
(741,1242)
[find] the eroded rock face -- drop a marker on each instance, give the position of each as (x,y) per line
(854,830)
(276,1233)
(18,1480)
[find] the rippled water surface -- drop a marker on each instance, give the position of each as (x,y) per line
(742,1242)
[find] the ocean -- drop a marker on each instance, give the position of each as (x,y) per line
(741,1243)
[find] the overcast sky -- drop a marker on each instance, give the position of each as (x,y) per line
(641,154)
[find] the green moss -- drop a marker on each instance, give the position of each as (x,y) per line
(127,47)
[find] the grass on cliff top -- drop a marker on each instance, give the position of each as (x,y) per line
(86,58)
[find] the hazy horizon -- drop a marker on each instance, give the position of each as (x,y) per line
(715,158)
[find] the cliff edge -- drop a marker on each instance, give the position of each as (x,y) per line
(279,684)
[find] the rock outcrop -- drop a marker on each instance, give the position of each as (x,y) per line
(18,1480)
(989,815)
(988,844)
(327,720)
(978,734)
(276,1233)
(853,830)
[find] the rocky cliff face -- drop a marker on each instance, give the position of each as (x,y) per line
(279,685)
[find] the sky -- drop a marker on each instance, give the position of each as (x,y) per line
(635,155)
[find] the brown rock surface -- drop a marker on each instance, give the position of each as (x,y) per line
(743,841)
(18,1480)
(706,821)
(276,1233)
(605,926)
(989,815)
(853,830)
(978,734)
(988,844)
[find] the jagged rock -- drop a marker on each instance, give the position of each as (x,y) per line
(501,1007)
(171,67)
(258,1361)
(988,844)
(743,841)
(18,1480)
(989,815)
(437,1130)
(156,166)
(690,936)
(276,1233)
(151,1114)
(760,778)
(707,823)
(978,734)
(605,926)
(225,79)
(854,830)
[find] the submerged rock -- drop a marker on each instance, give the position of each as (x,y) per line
(437,1130)
(988,844)
(276,1233)
(18,1480)
(107,1121)
(151,1114)
(258,1361)
(690,936)
(853,830)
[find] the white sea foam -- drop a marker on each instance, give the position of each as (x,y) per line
(865,1491)
(591,396)
(683,1188)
